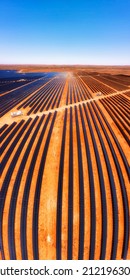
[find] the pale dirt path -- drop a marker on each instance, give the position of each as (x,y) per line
(48,196)
(8,119)
(64,94)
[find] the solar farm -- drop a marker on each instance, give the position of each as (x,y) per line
(65,177)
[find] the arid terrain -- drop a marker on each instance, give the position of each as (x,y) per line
(64,191)
(125,70)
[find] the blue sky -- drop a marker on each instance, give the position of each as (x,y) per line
(65,32)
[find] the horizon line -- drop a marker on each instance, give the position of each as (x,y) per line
(88,65)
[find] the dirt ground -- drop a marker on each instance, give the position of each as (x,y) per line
(72,68)
(49,186)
